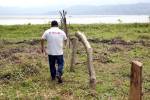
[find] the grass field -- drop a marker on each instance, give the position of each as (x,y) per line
(24,72)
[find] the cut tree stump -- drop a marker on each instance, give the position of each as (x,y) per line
(136,81)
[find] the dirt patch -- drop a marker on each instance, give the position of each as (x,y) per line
(115,49)
(30,42)
(97,40)
(112,41)
(8,53)
(143,42)
(118,41)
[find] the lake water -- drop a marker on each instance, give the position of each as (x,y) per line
(75,19)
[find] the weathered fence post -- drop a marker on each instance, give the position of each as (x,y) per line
(89,51)
(64,25)
(63,21)
(136,81)
(74,51)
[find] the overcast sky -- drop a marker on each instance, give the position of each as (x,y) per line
(67,3)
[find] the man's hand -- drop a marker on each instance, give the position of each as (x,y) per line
(42,46)
(42,50)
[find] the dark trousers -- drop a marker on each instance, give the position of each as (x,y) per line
(53,60)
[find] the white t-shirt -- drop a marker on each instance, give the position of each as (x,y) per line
(55,38)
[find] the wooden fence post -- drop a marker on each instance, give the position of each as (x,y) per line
(64,21)
(89,51)
(64,25)
(136,81)
(74,51)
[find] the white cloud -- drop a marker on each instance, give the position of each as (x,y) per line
(24,3)
(36,3)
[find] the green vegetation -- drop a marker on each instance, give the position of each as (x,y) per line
(25,74)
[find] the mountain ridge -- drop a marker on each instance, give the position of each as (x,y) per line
(123,9)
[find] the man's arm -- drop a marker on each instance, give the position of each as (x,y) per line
(65,42)
(42,45)
(65,39)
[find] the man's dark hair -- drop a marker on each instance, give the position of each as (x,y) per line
(54,23)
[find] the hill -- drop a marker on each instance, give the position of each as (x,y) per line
(127,9)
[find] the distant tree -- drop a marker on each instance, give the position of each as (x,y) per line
(29,24)
(119,20)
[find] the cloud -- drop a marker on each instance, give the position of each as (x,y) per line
(24,3)
(37,3)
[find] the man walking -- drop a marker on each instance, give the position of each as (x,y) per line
(55,39)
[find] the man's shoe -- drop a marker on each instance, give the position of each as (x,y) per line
(59,79)
(53,79)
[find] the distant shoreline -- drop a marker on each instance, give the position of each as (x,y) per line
(75,19)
